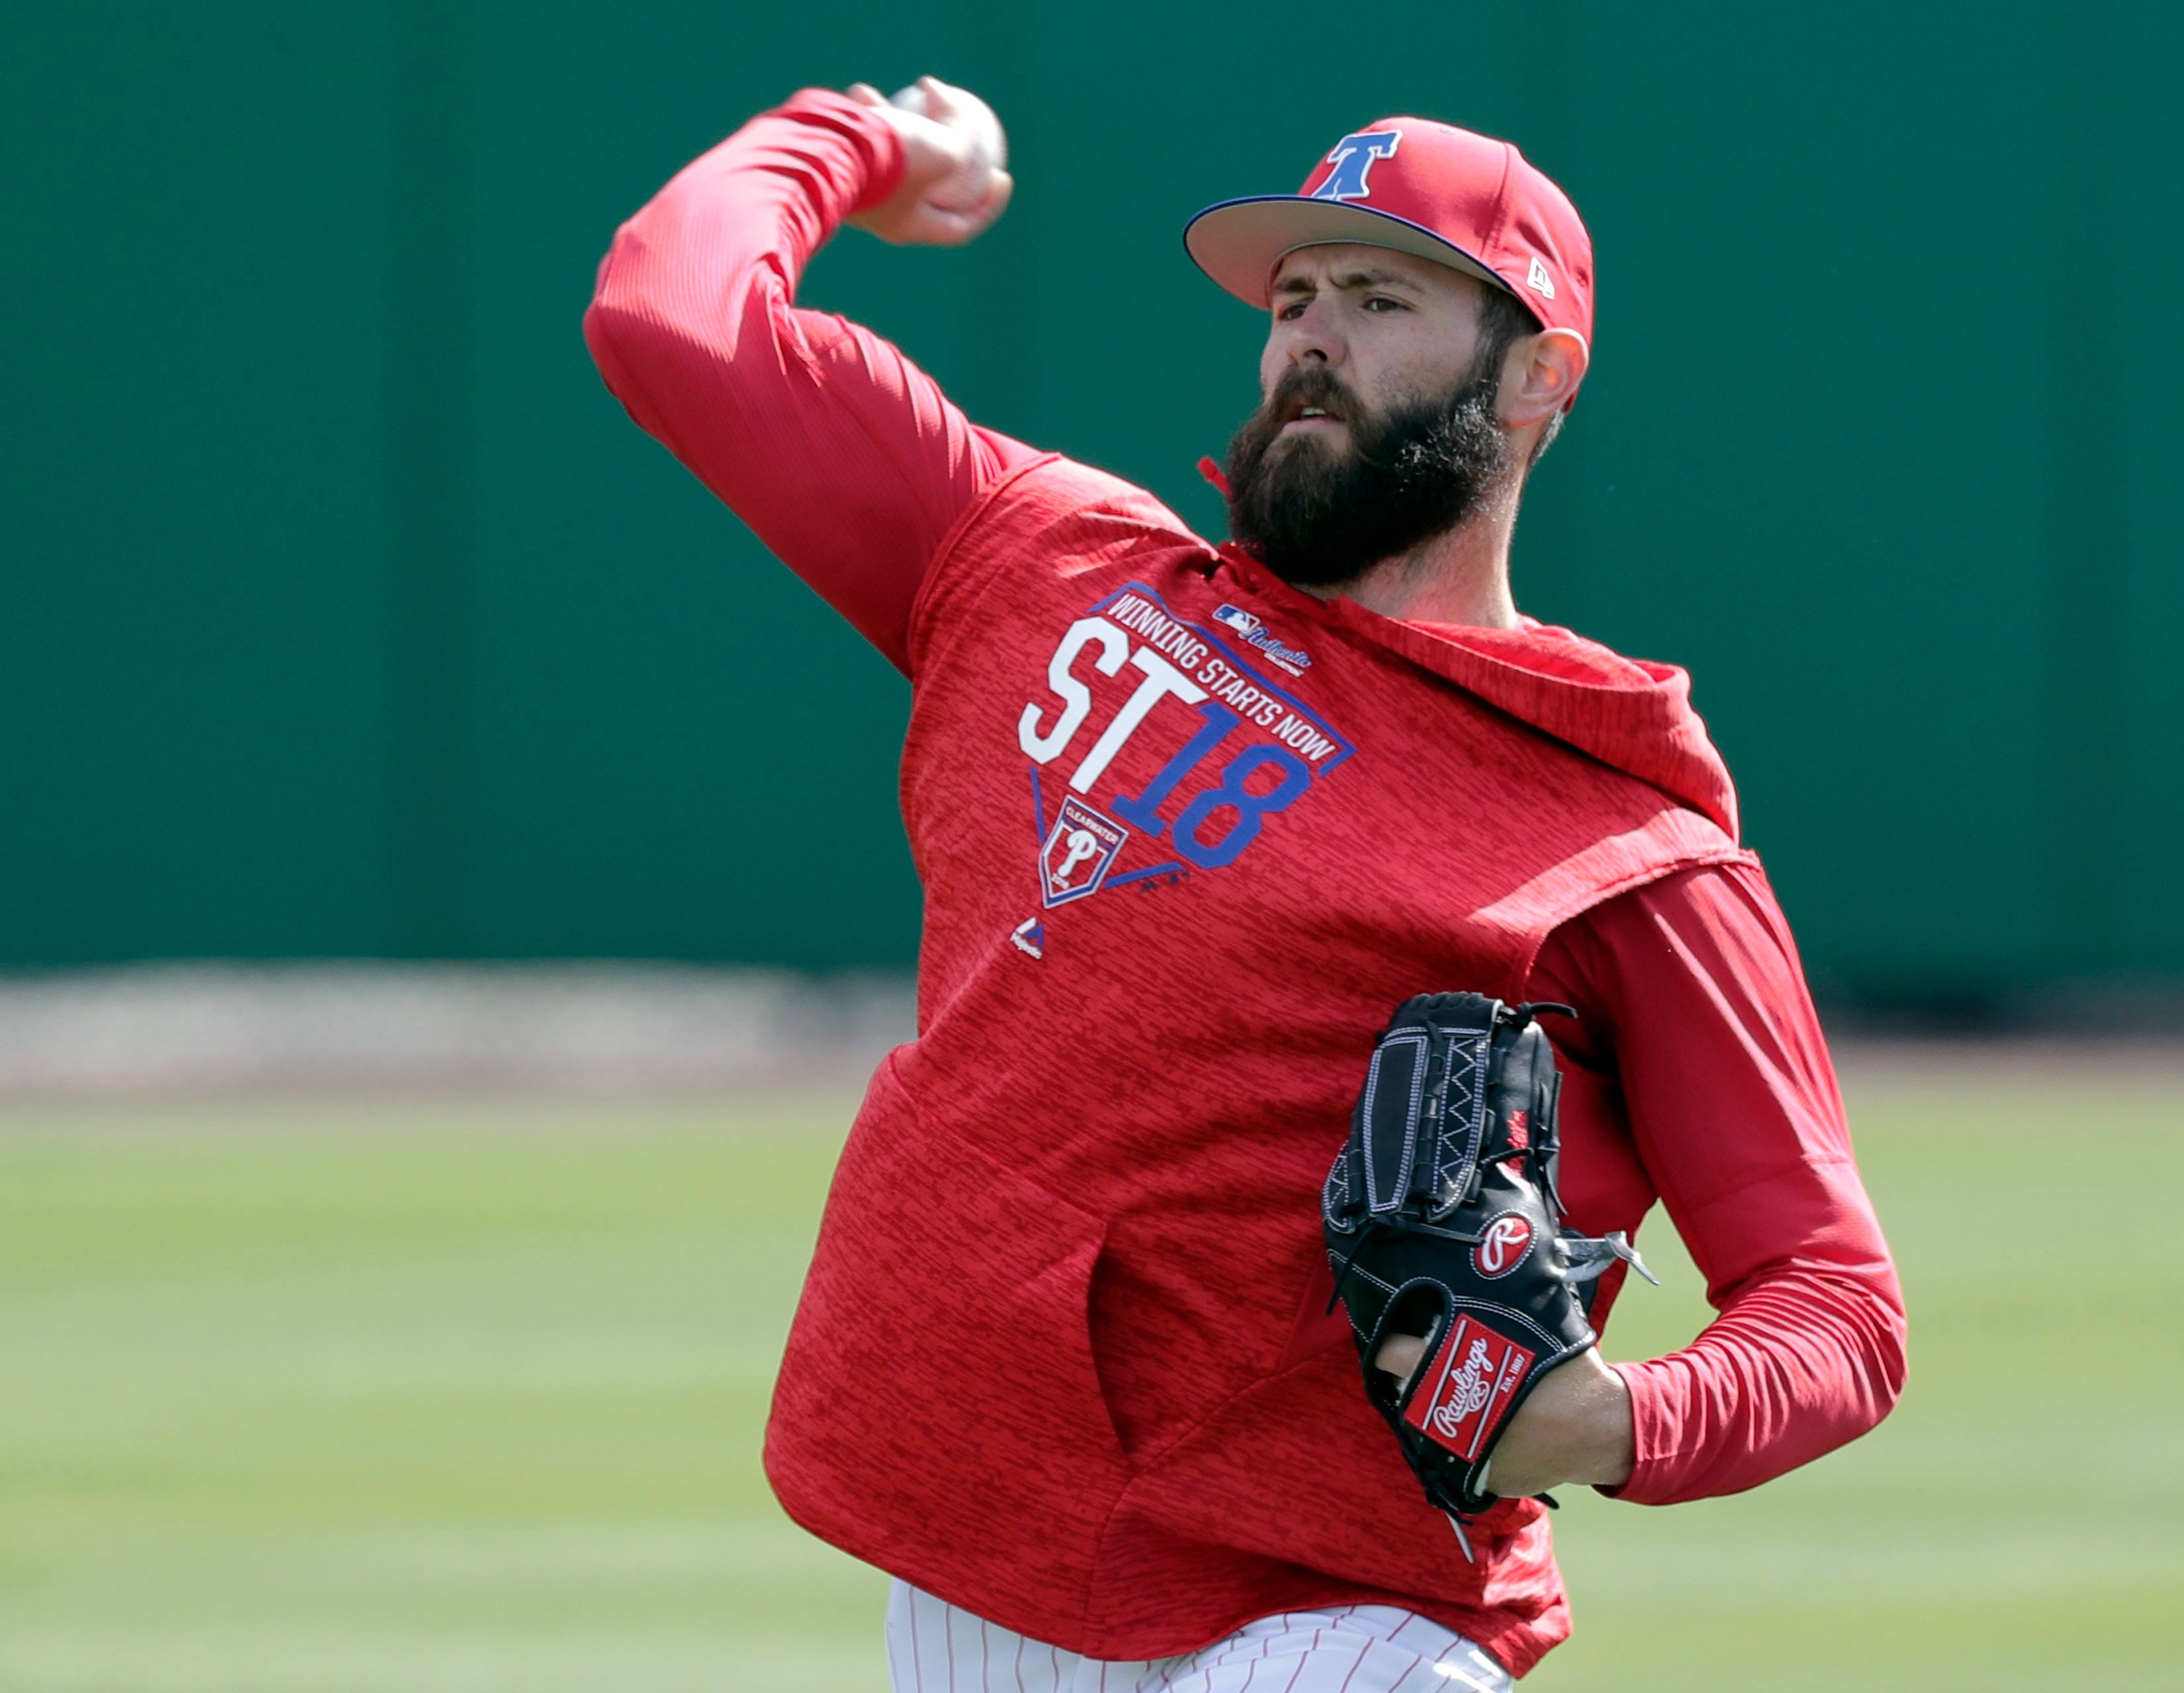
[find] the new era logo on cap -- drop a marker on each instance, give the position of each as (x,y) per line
(1443,193)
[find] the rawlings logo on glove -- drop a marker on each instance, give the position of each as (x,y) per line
(1503,1244)
(1443,1219)
(1451,1396)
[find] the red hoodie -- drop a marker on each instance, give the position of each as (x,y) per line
(1186,835)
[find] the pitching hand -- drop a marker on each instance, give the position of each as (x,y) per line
(955,178)
(1576,1427)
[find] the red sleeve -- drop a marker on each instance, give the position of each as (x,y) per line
(844,458)
(1690,989)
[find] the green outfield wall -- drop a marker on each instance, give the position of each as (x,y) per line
(347,616)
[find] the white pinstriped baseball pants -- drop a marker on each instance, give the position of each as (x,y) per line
(935,1647)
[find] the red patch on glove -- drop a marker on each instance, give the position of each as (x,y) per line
(1468,1388)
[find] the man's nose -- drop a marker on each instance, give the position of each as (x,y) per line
(1316,334)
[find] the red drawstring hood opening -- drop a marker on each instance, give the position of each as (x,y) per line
(1632,714)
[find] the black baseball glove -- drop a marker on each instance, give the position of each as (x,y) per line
(1443,1220)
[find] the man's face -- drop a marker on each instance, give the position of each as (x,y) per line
(1377,426)
(1390,327)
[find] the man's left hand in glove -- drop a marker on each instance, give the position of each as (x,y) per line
(1447,1235)
(1574,1430)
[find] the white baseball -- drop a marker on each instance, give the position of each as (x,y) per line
(971,116)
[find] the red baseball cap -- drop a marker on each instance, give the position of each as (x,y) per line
(1443,193)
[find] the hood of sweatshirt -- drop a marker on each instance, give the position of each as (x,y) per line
(1632,714)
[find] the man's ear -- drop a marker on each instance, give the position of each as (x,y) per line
(1538,375)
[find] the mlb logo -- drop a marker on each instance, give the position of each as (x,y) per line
(1237,619)
(1080,850)
(1468,1388)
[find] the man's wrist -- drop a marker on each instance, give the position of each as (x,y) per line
(879,143)
(1591,1431)
(1575,1430)
(1614,1451)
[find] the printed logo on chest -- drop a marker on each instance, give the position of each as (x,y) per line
(1174,752)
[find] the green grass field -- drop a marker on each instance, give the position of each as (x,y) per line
(378,1395)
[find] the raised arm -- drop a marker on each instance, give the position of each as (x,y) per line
(1733,1104)
(844,457)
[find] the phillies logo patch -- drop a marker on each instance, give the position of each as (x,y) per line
(1079,849)
(1503,1245)
(1468,1388)
(1353,159)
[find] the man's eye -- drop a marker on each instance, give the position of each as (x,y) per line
(1293,309)
(1380,300)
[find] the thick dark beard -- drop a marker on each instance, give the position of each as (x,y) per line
(1319,516)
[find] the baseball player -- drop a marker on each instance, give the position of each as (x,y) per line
(1191,817)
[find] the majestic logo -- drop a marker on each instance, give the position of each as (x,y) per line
(1468,1388)
(1079,850)
(1503,1244)
(1539,281)
(1353,159)
(1030,937)
(1294,660)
